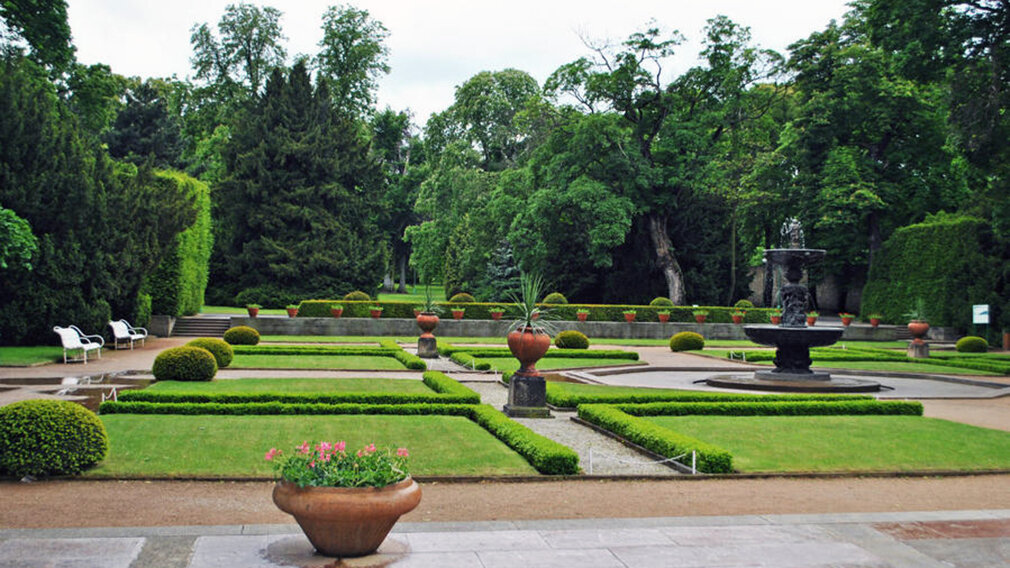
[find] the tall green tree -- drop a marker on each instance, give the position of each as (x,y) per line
(147,127)
(299,204)
(352,56)
(249,47)
(43,26)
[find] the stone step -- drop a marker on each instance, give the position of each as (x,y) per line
(201,327)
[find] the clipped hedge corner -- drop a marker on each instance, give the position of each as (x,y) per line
(49,437)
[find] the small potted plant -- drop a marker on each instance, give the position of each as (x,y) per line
(663,315)
(737,316)
(700,315)
(496,312)
(346,502)
(846,318)
(375,311)
(812,318)
(253,309)
(874,320)
(629,315)
(775,316)
(457,312)
(582,314)
(292,310)
(337,310)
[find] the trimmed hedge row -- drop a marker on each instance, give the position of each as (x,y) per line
(564,312)
(467,360)
(545,455)
(389,348)
(409,360)
(775,408)
(446,385)
(559,396)
(449,350)
(655,438)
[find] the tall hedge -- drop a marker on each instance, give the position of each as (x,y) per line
(178,284)
(949,261)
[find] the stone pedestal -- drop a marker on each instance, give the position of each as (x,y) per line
(427,347)
(527,397)
(918,349)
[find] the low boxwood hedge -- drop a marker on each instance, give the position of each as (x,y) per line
(446,385)
(775,408)
(447,350)
(655,438)
(559,395)
(409,360)
(546,455)
(49,437)
(469,361)
(388,348)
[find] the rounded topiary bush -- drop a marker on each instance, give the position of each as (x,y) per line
(555,298)
(219,348)
(687,341)
(462,298)
(49,437)
(184,364)
(972,344)
(744,304)
(242,335)
(661,301)
(357,296)
(571,339)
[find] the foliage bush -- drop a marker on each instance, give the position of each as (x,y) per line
(949,261)
(971,344)
(178,284)
(571,339)
(219,348)
(546,455)
(184,364)
(357,296)
(555,298)
(743,304)
(268,295)
(462,298)
(661,302)
(49,437)
(242,335)
(687,341)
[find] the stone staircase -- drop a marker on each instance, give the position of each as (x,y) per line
(201,326)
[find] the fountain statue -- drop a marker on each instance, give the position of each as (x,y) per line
(792,338)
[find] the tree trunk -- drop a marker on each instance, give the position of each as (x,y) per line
(732,258)
(402,288)
(875,239)
(665,259)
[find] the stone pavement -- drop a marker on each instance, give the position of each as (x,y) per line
(963,539)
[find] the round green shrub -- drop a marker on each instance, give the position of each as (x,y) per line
(661,301)
(462,298)
(555,298)
(49,437)
(744,304)
(357,296)
(242,335)
(686,341)
(571,339)
(184,364)
(219,348)
(972,344)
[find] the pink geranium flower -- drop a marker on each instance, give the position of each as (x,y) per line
(402,452)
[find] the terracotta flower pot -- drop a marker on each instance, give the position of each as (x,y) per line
(292,312)
(581,316)
(846,321)
(811,321)
(337,313)
(417,312)
(629,317)
(347,521)
(663,318)
(427,322)
(776,320)
(700,319)
(496,315)
(737,319)
(458,315)
(376,314)
(253,312)
(528,347)
(918,329)
(874,322)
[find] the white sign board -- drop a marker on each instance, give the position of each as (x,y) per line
(980,314)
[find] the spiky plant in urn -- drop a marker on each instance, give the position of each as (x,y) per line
(529,338)
(427,320)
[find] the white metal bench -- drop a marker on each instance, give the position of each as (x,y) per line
(74,339)
(122,331)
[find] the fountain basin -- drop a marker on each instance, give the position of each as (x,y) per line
(783,335)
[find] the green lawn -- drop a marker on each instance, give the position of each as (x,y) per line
(415,295)
(233,446)
(847,443)
(503,364)
(345,362)
(24,356)
(232,386)
(898,366)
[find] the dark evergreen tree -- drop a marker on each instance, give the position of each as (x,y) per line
(146,128)
(502,277)
(298,207)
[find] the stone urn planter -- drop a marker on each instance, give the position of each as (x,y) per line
(347,521)
(427,322)
(918,329)
(528,347)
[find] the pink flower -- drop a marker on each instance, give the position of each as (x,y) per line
(324,447)
(271,454)
(304,448)
(360,453)
(339,447)
(312,463)
(402,452)
(370,448)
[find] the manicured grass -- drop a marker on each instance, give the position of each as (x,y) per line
(847,443)
(898,366)
(415,295)
(233,446)
(353,362)
(233,386)
(503,364)
(24,356)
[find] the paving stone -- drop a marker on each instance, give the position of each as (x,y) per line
(716,536)
(966,553)
(603,538)
(476,540)
(70,552)
(591,558)
(802,555)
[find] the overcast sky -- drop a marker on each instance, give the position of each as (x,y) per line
(436,46)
